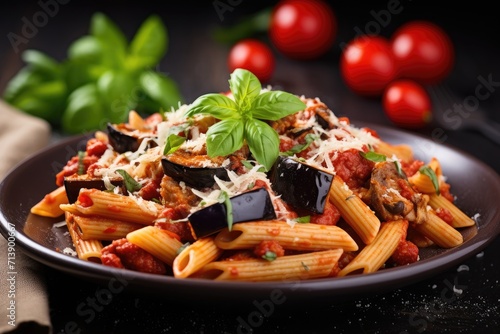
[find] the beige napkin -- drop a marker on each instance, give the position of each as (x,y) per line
(20,136)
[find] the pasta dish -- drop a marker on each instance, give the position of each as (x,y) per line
(330,200)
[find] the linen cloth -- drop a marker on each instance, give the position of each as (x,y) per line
(21,135)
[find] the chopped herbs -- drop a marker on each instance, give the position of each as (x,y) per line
(224,198)
(399,169)
(302,220)
(373,156)
(306,268)
(172,143)
(269,256)
(81,164)
(183,247)
(130,183)
(428,171)
(309,138)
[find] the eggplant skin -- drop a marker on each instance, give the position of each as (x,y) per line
(72,185)
(249,206)
(300,185)
(194,177)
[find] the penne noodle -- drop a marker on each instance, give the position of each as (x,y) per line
(354,211)
(302,266)
(100,228)
(89,250)
(460,219)
(439,231)
(195,256)
(374,255)
(93,202)
(160,243)
(49,205)
(402,152)
(310,237)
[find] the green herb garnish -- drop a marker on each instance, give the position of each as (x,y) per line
(399,169)
(305,266)
(302,220)
(426,170)
(373,156)
(309,138)
(241,119)
(269,256)
(130,183)
(81,163)
(183,247)
(172,143)
(224,198)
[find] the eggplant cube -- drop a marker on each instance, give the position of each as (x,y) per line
(300,185)
(249,206)
(195,177)
(74,183)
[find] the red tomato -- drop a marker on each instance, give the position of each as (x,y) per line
(407,104)
(423,51)
(302,29)
(367,65)
(254,56)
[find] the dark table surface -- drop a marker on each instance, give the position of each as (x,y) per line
(198,64)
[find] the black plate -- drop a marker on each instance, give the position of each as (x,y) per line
(476,186)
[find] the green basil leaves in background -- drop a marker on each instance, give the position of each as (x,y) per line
(102,79)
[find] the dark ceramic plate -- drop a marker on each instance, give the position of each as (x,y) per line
(476,186)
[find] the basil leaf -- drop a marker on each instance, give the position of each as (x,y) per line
(263,142)
(161,89)
(245,88)
(149,43)
(217,105)
(274,105)
(130,183)
(117,90)
(224,198)
(426,170)
(172,143)
(86,49)
(310,138)
(225,137)
(302,220)
(111,38)
(84,110)
(24,80)
(373,156)
(400,169)
(42,62)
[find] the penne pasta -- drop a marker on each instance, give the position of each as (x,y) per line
(160,243)
(460,219)
(195,256)
(309,237)
(93,202)
(302,266)
(89,250)
(354,211)
(49,205)
(402,152)
(439,231)
(100,228)
(374,255)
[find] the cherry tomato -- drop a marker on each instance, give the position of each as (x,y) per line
(423,51)
(407,104)
(254,56)
(367,65)
(302,29)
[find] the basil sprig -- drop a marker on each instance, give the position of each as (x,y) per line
(241,118)
(428,171)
